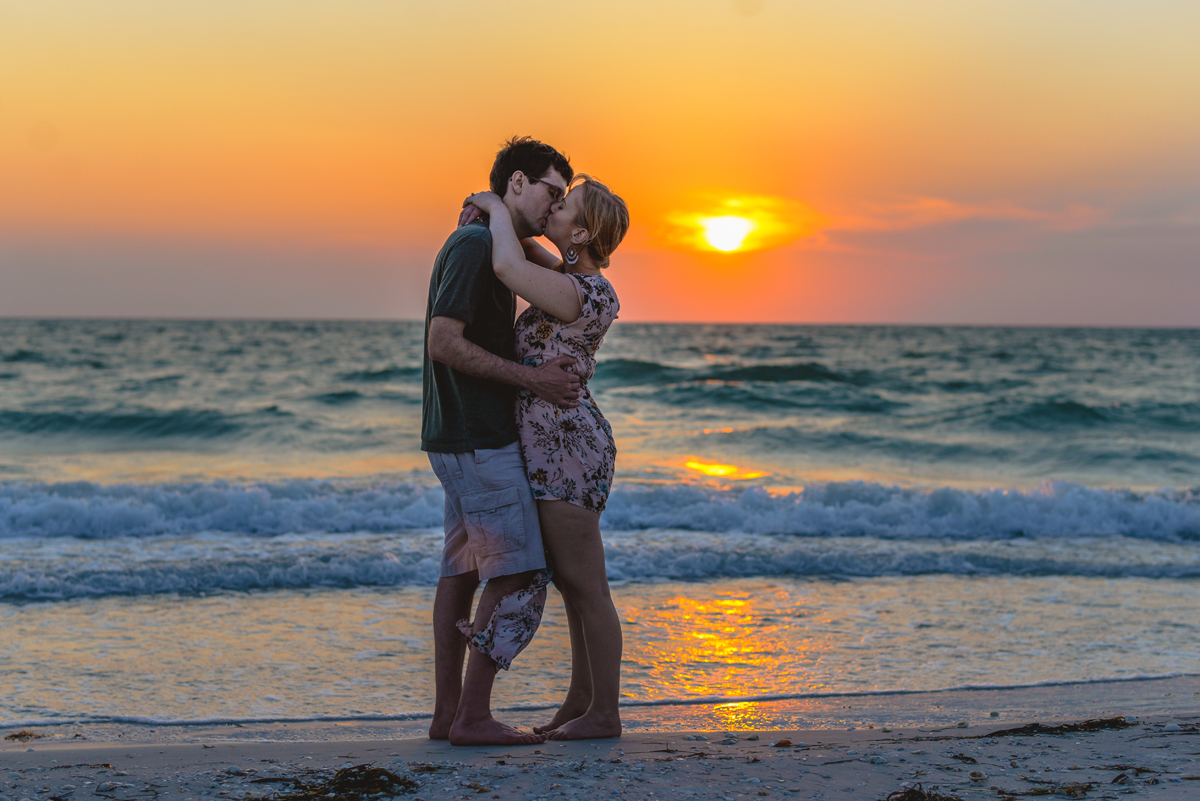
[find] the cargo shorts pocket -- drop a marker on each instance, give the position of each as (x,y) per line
(494,521)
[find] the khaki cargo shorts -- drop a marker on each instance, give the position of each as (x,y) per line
(491,519)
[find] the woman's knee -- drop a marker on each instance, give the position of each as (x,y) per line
(585,594)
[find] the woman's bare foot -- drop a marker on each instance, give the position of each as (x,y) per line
(567,712)
(588,727)
(490,731)
(439,728)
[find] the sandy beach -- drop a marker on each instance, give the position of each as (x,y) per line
(1154,755)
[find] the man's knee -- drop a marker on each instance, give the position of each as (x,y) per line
(461,586)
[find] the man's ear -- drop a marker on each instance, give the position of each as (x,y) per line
(516,182)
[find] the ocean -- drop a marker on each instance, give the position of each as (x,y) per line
(231,521)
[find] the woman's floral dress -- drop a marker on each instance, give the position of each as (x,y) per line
(569,453)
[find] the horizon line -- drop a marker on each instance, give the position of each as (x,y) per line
(231,319)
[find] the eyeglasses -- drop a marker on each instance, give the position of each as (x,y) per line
(556,192)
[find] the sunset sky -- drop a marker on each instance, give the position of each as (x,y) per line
(974,161)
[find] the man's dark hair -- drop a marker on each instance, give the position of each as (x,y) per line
(531,157)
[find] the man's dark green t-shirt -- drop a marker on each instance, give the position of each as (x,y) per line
(460,412)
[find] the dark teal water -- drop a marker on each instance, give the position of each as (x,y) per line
(982,407)
(232,520)
(155,457)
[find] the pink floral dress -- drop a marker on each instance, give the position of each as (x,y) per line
(569,453)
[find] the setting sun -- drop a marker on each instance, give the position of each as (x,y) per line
(741,223)
(726,233)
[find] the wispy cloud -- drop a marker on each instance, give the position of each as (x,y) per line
(924,212)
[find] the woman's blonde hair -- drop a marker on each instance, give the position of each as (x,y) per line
(604,215)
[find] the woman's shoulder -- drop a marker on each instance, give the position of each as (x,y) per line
(598,300)
(595,283)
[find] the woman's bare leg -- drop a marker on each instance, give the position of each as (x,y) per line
(579,695)
(572,535)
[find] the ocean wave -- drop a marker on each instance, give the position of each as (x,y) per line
(385,374)
(224,566)
(834,509)
(627,372)
(18,356)
(1055,415)
(231,563)
(95,511)
(632,372)
(338,398)
(139,424)
(858,508)
(82,540)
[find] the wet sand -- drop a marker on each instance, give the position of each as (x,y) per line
(1154,758)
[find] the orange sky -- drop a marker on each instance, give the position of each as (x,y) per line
(987,162)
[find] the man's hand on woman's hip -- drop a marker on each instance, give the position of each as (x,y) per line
(552,383)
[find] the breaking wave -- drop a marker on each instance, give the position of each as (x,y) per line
(835,509)
(90,540)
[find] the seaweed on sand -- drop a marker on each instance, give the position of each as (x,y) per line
(1067,790)
(919,793)
(358,783)
(24,736)
(1098,724)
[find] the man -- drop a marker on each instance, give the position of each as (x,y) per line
(468,427)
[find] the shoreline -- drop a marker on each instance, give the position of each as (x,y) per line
(858,754)
(916,709)
(1151,758)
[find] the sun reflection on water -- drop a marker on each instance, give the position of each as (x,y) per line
(729,645)
(716,470)
(737,716)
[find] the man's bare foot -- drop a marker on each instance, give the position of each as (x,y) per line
(490,731)
(568,711)
(588,727)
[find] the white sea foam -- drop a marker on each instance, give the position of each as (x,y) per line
(95,511)
(857,508)
(64,569)
(845,509)
(87,540)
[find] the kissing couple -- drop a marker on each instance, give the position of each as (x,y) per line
(513,434)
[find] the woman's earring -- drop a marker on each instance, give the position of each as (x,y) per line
(571,256)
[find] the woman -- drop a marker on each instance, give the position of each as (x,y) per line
(570,453)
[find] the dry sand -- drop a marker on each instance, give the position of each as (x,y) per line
(1157,758)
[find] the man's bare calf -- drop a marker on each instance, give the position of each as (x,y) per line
(452,603)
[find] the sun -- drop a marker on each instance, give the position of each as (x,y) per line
(726,233)
(741,223)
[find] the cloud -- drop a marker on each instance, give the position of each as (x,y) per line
(925,212)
